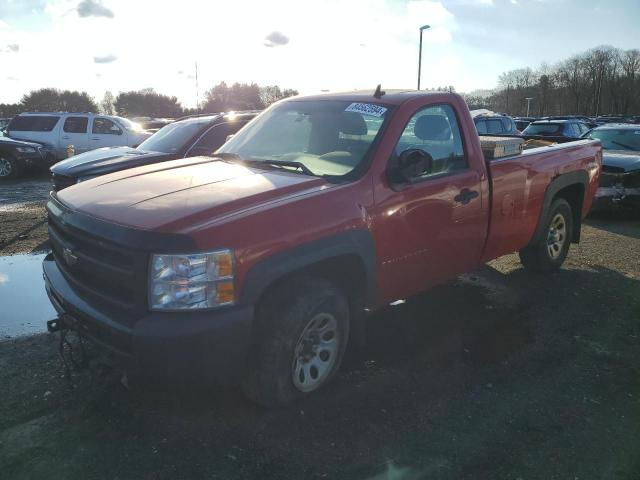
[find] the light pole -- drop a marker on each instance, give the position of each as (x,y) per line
(528,99)
(424,27)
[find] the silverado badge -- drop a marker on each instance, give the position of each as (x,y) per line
(69,257)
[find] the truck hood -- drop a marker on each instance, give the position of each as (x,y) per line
(106,160)
(177,195)
(621,159)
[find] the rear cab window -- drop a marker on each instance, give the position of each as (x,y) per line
(33,123)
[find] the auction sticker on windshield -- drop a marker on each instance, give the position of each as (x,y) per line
(366,109)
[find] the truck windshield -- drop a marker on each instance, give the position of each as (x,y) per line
(324,137)
(617,139)
(173,137)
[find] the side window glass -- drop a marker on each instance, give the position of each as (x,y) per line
(76,125)
(216,137)
(435,131)
(481,126)
(104,126)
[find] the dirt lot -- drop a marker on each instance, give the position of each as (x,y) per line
(500,375)
(22,215)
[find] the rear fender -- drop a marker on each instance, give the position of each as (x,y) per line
(559,183)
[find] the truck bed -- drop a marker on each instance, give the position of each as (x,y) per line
(518,184)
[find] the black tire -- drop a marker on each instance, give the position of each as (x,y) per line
(281,321)
(544,256)
(9,167)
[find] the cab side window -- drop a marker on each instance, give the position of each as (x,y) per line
(435,131)
(75,125)
(104,126)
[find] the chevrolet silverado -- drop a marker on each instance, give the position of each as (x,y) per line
(261,263)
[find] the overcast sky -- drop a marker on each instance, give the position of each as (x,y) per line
(310,45)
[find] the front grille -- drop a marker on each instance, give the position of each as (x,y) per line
(62,181)
(609,179)
(610,169)
(632,180)
(100,271)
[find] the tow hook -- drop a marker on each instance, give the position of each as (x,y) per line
(54,325)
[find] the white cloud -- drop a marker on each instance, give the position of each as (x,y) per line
(275,39)
(105,59)
(93,8)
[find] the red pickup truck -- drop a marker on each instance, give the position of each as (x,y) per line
(260,264)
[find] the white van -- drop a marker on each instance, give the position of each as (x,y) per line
(85,131)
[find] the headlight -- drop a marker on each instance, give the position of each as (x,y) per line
(26,149)
(200,280)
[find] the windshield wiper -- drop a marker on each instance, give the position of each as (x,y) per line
(623,145)
(276,163)
(289,163)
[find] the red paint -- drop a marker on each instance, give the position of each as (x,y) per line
(422,235)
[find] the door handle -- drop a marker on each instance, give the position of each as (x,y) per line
(66,137)
(95,138)
(465,196)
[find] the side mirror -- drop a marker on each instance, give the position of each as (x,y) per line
(115,131)
(411,164)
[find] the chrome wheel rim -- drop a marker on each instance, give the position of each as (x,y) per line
(557,236)
(5,167)
(315,352)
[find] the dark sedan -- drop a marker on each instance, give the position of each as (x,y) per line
(17,156)
(186,137)
(620,177)
(557,128)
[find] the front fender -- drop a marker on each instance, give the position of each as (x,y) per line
(270,269)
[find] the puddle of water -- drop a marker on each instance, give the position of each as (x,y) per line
(24,305)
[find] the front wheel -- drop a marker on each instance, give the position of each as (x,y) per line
(300,338)
(550,252)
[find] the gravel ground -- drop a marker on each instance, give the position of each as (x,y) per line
(499,375)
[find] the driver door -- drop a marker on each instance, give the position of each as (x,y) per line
(431,227)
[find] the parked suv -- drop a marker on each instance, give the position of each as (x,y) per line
(495,125)
(557,128)
(187,137)
(85,131)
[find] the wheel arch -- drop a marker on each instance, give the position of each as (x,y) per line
(571,187)
(346,259)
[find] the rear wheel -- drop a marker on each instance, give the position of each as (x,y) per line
(8,167)
(550,252)
(300,338)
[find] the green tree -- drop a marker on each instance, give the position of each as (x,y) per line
(272,93)
(147,103)
(54,100)
(107,105)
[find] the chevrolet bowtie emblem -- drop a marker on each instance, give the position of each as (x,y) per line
(69,258)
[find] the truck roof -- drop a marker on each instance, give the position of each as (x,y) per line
(391,97)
